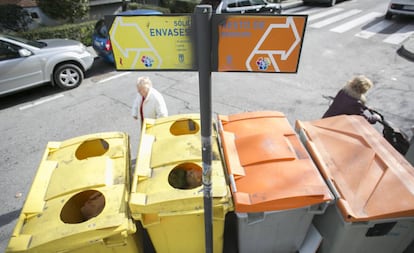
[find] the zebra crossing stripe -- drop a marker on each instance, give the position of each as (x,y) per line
(400,35)
(356,22)
(314,14)
(372,30)
(324,14)
(335,18)
(311,11)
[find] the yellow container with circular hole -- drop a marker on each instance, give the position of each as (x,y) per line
(78,201)
(167,192)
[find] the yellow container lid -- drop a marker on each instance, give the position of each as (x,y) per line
(269,168)
(98,160)
(177,139)
(78,196)
(168,171)
(372,180)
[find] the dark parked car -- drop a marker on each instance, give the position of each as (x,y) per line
(26,63)
(328,2)
(100,38)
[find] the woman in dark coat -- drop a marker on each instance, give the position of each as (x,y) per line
(351,100)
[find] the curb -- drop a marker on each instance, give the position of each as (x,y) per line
(406,50)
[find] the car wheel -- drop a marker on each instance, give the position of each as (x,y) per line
(388,15)
(68,76)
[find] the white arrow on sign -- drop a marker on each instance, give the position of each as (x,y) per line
(118,24)
(284,54)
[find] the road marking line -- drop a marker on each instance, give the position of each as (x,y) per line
(335,18)
(39,102)
(372,30)
(324,14)
(296,10)
(356,22)
(113,77)
(400,35)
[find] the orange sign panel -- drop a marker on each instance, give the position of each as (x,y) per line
(260,43)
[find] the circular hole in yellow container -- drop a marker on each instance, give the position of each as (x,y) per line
(186,176)
(91,148)
(82,207)
(184,126)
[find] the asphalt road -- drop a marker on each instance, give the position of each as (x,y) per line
(102,103)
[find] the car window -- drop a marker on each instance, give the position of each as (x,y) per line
(257,2)
(34,43)
(8,51)
(245,3)
(233,3)
(240,3)
(100,28)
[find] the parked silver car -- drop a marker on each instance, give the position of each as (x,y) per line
(25,64)
(248,6)
(400,7)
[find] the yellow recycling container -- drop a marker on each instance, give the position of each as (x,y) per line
(276,187)
(373,184)
(167,192)
(78,201)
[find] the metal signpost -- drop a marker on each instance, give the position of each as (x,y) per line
(203,52)
(242,43)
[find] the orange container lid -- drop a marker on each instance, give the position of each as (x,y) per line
(269,167)
(373,181)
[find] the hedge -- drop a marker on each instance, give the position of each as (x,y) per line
(81,32)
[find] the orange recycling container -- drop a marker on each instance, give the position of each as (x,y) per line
(269,167)
(372,182)
(365,170)
(271,177)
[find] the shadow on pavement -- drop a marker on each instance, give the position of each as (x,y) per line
(9,217)
(28,96)
(99,67)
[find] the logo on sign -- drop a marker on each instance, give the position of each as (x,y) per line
(148,61)
(263,63)
(181,58)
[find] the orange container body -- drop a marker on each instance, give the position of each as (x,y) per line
(371,179)
(268,167)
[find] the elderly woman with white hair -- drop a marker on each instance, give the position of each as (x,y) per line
(149,103)
(351,100)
